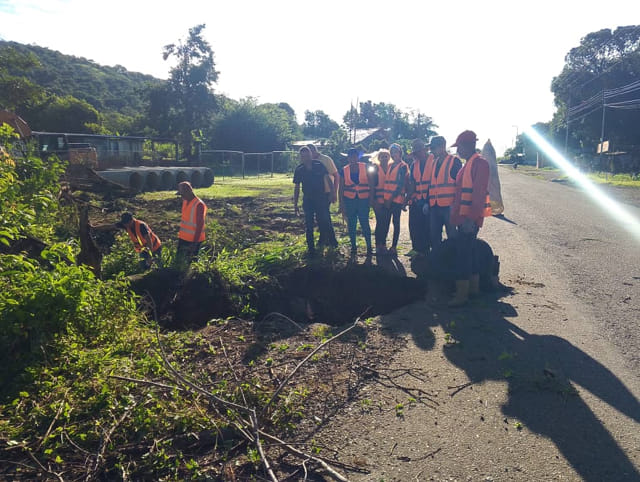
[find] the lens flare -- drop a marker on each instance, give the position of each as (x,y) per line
(611,207)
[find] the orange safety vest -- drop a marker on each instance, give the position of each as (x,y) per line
(443,186)
(422,179)
(353,190)
(391,183)
(382,177)
(138,240)
(188,222)
(467,191)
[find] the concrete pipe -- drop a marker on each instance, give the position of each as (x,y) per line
(207,177)
(127,178)
(152,181)
(181,176)
(196,178)
(167,180)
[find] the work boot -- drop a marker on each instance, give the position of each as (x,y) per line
(474,285)
(461,296)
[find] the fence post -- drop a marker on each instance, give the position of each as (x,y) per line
(243,165)
(272,155)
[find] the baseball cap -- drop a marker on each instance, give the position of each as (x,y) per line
(465,137)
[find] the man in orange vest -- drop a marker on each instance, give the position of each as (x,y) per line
(442,187)
(192,226)
(470,206)
(355,195)
(394,196)
(144,240)
(417,193)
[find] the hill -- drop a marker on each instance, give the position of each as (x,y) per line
(108,89)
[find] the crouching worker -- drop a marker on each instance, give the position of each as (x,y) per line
(191,234)
(470,206)
(144,240)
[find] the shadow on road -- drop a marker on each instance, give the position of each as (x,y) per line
(502,217)
(541,371)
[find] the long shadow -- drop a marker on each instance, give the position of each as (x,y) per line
(502,217)
(541,372)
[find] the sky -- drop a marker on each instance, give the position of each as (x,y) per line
(485,66)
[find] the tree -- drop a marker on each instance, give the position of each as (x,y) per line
(317,124)
(604,60)
(188,101)
(16,91)
(64,114)
(251,127)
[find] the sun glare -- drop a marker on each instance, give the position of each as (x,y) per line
(610,206)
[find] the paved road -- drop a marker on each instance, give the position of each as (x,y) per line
(542,384)
(584,247)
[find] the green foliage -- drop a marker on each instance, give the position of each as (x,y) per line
(188,101)
(107,89)
(65,114)
(42,308)
(28,190)
(317,125)
(251,127)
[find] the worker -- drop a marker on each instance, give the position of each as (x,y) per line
(417,195)
(389,196)
(312,174)
(192,224)
(144,240)
(444,169)
(355,198)
(332,181)
(471,204)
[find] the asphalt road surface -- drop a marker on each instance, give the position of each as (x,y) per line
(576,241)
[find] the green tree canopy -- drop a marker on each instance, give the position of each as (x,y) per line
(604,60)
(251,127)
(188,101)
(317,124)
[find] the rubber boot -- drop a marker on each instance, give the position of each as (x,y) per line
(461,296)
(474,285)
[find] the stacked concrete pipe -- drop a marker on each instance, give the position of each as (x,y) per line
(158,178)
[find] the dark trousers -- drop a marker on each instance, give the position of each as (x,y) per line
(187,252)
(440,216)
(327,235)
(466,260)
(419,227)
(358,210)
(383,220)
(318,210)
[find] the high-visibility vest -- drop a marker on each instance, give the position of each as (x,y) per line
(467,191)
(139,240)
(392,181)
(353,190)
(382,179)
(443,187)
(188,222)
(422,180)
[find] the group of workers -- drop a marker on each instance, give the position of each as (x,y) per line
(440,191)
(148,245)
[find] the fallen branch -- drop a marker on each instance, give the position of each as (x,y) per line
(459,388)
(284,317)
(313,352)
(288,448)
(146,382)
(265,460)
(48,471)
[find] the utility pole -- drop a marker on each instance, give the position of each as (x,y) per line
(602,130)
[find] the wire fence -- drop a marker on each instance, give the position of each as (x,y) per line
(243,164)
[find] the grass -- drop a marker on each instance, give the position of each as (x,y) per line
(278,185)
(626,180)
